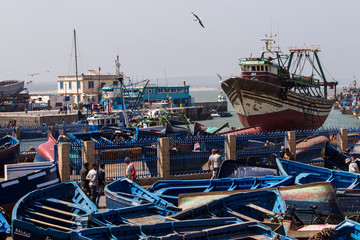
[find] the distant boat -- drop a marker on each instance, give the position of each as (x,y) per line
(9,151)
(99,120)
(45,151)
(11,87)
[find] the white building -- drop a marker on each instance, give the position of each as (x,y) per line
(88,87)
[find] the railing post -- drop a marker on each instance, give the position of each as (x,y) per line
(86,127)
(291,142)
(16,133)
(230,147)
(64,161)
(52,130)
(343,139)
(164,156)
(89,153)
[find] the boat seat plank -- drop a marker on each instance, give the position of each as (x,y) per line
(51,217)
(261,209)
(54,200)
(57,210)
(239,215)
(49,224)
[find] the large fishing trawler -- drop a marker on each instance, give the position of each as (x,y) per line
(274,90)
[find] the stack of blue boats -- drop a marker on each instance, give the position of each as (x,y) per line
(251,208)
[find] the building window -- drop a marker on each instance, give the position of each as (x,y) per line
(69,85)
(173,90)
(78,84)
(61,85)
(91,84)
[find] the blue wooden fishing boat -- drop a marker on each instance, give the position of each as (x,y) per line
(124,193)
(307,174)
(50,213)
(170,189)
(246,206)
(108,136)
(4,226)
(347,230)
(221,228)
(235,169)
(142,214)
(12,190)
(9,151)
(333,158)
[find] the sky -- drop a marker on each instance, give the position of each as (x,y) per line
(158,38)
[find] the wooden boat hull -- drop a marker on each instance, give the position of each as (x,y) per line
(258,102)
(170,189)
(246,206)
(235,169)
(12,190)
(347,230)
(9,151)
(11,87)
(45,151)
(307,174)
(333,158)
(192,230)
(139,215)
(124,193)
(50,213)
(321,195)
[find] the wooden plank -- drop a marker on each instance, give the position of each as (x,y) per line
(58,211)
(49,224)
(51,217)
(261,209)
(239,215)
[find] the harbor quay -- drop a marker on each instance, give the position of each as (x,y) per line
(201,111)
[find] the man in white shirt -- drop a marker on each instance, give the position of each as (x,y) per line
(92,178)
(214,162)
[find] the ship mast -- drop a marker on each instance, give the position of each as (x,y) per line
(76,72)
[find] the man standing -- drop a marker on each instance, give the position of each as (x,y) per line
(84,184)
(93,181)
(214,162)
(288,155)
(101,182)
(353,167)
(130,169)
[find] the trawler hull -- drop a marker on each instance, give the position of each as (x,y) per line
(259,102)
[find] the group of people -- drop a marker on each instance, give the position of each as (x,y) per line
(93,181)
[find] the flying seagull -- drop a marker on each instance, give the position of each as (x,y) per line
(33,74)
(197,19)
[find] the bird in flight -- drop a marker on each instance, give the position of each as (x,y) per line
(197,19)
(33,74)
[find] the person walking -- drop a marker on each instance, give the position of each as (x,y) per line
(101,183)
(84,183)
(92,178)
(130,169)
(214,162)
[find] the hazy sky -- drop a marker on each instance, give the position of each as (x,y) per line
(153,35)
